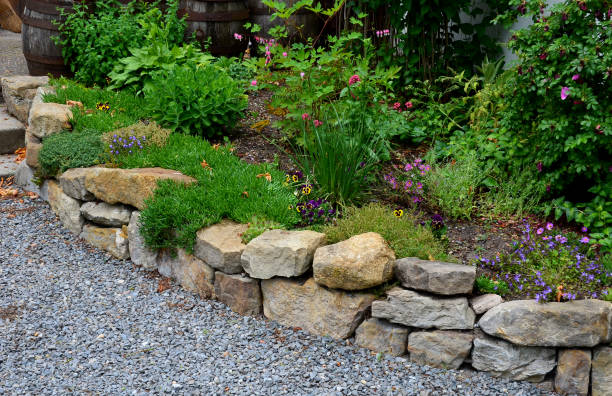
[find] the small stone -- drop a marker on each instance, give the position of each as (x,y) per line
(441,348)
(33,147)
(314,308)
(573,371)
(139,253)
(66,208)
(105,214)
(73,183)
(601,371)
(241,293)
(529,323)
(382,336)
(112,240)
(281,253)
(435,276)
(503,359)
(48,118)
(188,271)
(360,262)
(221,247)
(481,304)
(413,309)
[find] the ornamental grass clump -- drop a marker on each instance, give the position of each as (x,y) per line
(550,266)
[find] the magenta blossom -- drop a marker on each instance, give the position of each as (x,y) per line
(409,105)
(575,77)
(254,83)
(305,116)
(564,93)
(285,54)
(584,229)
(354,79)
(540,231)
(302,74)
(539,166)
(317,123)
(549,226)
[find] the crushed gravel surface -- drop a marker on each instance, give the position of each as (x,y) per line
(75,320)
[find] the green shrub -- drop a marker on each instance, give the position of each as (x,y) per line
(93,42)
(404,234)
(202,101)
(485,285)
(340,154)
(67,150)
(227,188)
(453,187)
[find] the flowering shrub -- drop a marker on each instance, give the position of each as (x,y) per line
(548,266)
(313,210)
(555,114)
(135,137)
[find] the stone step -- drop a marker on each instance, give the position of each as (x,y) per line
(8,166)
(12,132)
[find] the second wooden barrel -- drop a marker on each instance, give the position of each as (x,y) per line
(217,20)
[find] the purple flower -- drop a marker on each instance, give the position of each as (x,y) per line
(539,166)
(575,77)
(549,226)
(540,231)
(585,239)
(564,93)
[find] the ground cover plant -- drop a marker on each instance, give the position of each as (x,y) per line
(547,265)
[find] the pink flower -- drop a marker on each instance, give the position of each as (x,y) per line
(564,93)
(549,226)
(305,116)
(302,74)
(408,105)
(317,123)
(539,166)
(540,231)
(254,83)
(397,106)
(585,239)
(575,77)
(285,54)
(238,36)
(354,79)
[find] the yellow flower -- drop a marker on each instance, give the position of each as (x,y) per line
(398,212)
(306,190)
(295,178)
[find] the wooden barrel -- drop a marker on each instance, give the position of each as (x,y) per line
(217,20)
(42,55)
(309,25)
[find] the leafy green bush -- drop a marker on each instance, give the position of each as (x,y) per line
(67,150)
(227,188)
(404,234)
(93,42)
(202,101)
(485,285)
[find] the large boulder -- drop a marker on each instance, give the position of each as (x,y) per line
(73,183)
(441,348)
(601,371)
(66,208)
(503,359)
(48,118)
(481,304)
(281,253)
(582,323)
(381,336)
(221,247)
(140,254)
(129,186)
(188,271)
(435,276)
(18,93)
(573,372)
(361,262)
(314,308)
(413,309)
(241,293)
(105,214)
(112,240)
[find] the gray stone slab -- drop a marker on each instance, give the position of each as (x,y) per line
(12,132)
(8,166)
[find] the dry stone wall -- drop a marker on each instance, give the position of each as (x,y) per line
(294,278)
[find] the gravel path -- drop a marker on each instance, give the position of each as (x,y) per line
(75,320)
(12,61)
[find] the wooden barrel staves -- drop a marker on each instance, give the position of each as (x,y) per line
(41,53)
(217,20)
(302,24)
